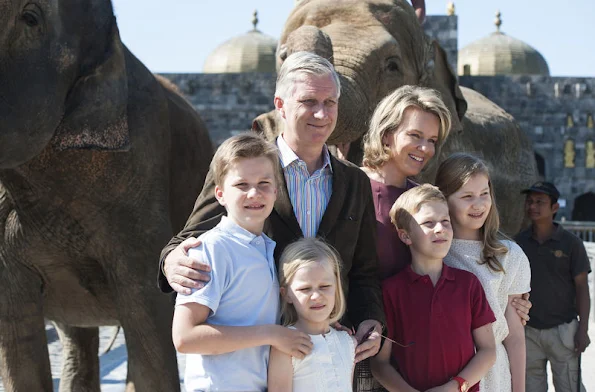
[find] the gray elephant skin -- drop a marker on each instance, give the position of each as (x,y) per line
(100,163)
(378,46)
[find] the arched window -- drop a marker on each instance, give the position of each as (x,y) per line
(589,155)
(569,153)
(584,207)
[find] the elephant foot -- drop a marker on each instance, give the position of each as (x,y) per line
(25,364)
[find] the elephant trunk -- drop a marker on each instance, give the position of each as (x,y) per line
(354,113)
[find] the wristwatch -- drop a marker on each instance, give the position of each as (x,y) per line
(463,384)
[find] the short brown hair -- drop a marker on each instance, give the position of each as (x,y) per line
(244,145)
(410,202)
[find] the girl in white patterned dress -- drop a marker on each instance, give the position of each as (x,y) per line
(499,263)
(311,300)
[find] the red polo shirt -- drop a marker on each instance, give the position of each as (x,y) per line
(440,321)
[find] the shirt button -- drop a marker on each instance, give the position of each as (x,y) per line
(308,212)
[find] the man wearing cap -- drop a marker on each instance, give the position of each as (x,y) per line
(559,293)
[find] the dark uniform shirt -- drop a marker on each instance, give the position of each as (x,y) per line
(554,265)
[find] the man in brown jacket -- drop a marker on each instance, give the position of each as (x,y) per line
(320,196)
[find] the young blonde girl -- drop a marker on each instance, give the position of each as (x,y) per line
(499,263)
(311,300)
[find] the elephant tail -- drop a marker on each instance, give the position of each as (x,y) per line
(112,341)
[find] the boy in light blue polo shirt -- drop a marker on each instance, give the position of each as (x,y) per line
(228,326)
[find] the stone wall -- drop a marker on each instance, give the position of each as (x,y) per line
(445,30)
(550,110)
(227,102)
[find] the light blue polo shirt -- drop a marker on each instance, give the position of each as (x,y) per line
(243,291)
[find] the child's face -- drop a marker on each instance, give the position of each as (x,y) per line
(469,207)
(312,293)
(249,192)
(430,233)
(413,144)
(539,208)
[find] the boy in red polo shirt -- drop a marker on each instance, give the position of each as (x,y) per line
(438,317)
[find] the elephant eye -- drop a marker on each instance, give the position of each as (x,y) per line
(30,19)
(392,65)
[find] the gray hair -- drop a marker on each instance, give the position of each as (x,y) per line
(299,63)
(388,117)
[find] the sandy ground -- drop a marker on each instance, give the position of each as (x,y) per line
(113,363)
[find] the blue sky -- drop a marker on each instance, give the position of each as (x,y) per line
(178,35)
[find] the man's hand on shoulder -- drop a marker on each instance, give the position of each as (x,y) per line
(184,273)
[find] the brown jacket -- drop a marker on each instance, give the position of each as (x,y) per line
(348,224)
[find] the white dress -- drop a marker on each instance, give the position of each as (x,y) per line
(328,367)
(465,255)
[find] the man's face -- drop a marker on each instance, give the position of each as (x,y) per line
(310,112)
(539,208)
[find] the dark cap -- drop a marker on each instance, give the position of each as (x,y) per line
(544,187)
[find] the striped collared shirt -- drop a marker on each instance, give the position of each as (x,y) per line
(309,194)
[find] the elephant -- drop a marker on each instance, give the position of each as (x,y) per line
(377,46)
(100,164)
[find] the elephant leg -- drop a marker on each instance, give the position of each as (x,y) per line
(25,364)
(80,361)
(146,317)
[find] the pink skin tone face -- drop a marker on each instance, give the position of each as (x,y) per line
(310,112)
(469,207)
(312,293)
(413,144)
(249,192)
(430,233)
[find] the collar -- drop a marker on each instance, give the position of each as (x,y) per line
(447,273)
(558,232)
(556,235)
(288,156)
(233,229)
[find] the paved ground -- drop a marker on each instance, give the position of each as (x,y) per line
(113,363)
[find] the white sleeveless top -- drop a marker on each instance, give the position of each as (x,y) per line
(329,367)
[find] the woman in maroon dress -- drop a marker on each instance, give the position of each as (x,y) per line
(406,129)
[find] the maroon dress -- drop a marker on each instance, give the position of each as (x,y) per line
(393,254)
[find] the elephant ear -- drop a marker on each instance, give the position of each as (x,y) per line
(268,125)
(96,107)
(445,81)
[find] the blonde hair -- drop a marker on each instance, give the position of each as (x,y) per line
(410,202)
(245,145)
(304,252)
(388,116)
(452,174)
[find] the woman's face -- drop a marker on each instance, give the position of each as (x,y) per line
(413,143)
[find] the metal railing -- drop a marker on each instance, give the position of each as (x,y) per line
(584,230)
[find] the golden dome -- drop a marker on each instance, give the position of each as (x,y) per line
(250,52)
(500,54)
